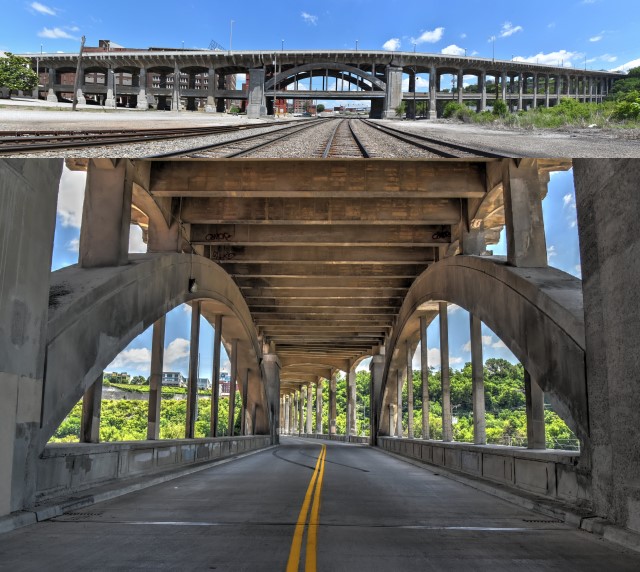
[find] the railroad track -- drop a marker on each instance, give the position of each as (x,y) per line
(240,147)
(343,142)
(27,141)
(435,146)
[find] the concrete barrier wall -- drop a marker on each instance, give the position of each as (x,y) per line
(547,473)
(342,438)
(68,468)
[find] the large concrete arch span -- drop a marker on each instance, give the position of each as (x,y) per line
(537,312)
(288,77)
(101,310)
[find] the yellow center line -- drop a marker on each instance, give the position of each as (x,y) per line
(296,544)
(314,521)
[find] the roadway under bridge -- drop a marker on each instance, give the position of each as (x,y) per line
(176,79)
(306,268)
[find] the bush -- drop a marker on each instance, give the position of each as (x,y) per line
(457,111)
(500,108)
(628,107)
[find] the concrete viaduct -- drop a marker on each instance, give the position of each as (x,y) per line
(306,276)
(126,76)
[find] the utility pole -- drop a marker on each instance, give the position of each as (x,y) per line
(76,83)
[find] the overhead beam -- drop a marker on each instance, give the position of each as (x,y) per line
(276,283)
(266,270)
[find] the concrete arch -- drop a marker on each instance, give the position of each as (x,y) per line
(99,311)
(281,77)
(537,312)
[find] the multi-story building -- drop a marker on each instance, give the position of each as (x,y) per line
(173,379)
(204,383)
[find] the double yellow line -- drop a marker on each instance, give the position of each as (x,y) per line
(312,532)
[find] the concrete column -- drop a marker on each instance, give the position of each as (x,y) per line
(447,427)
(91,404)
(110,101)
(51,93)
(376,369)
(547,90)
(424,374)
(535,413)
(192,382)
(106,214)
(352,428)
(80,95)
(409,391)
(393,94)
(526,242)
(271,377)
(245,395)
(155,379)
(473,241)
(477,376)
(232,386)
(309,410)
(399,382)
(536,79)
(568,85)
(142,90)
(319,407)
(301,411)
(215,382)
(521,92)
(285,428)
(591,90)
(175,96)
(257,106)
(503,86)
(460,87)
(28,198)
(211,90)
(584,89)
(433,78)
(294,413)
(332,403)
(393,412)
(482,79)
(411,107)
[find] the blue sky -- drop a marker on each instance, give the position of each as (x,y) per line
(562,245)
(601,32)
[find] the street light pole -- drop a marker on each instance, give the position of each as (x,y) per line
(230,35)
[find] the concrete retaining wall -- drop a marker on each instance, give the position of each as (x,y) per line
(65,468)
(343,438)
(547,473)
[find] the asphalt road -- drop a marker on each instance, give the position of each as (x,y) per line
(374,512)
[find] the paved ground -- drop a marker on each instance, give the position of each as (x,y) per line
(377,514)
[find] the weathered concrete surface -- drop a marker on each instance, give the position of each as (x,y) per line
(28,197)
(608,201)
(377,514)
(85,335)
(537,312)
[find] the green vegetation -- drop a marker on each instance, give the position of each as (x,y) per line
(320,108)
(126,419)
(16,73)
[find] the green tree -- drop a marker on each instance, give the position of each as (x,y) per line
(401,109)
(16,73)
(320,108)
(631,82)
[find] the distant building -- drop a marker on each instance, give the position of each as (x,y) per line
(204,383)
(225,383)
(173,379)
(115,377)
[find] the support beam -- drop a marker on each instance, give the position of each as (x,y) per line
(319,407)
(215,382)
(309,410)
(232,386)
(393,95)
(477,376)
(256,106)
(399,428)
(535,413)
(287,413)
(409,360)
(192,383)
(376,369)
(245,395)
(106,215)
(447,427)
(351,402)
(526,242)
(301,411)
(332,402)
(91,405)
(424,375)
(155,379)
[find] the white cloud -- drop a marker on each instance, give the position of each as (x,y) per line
(309,18)
(453,50)
(136,244)
(71,197)
(561,57)
(434,357)
(455,361)
(578,270)
(463,36)
(486,341)
(627,66)
(133,358)
(551,251)
(55,34)
(42,9)
(187,309)
(608,58)
(453,308)
(429,37)
(73,245)
(499,344)
(178,349)
(508,29)
(596,38)
(392,45)
(567,199)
